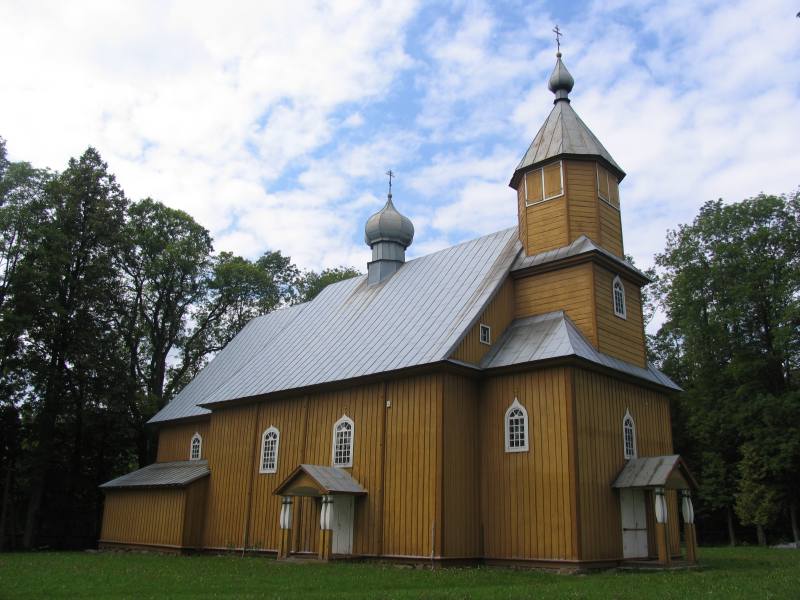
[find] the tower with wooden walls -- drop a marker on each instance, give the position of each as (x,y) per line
(567,188)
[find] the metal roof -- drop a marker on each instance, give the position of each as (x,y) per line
(554,335)
(564,133)
(581,245)
(417,316)
(331,480)
(167,474)
(654,471)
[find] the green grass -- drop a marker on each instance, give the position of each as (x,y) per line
(726,573)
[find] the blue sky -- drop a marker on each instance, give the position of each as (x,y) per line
(273,123)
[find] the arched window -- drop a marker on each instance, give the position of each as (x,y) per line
(269,450)
(618,298)
(343,435)
(196,447)
(629,435)
(516,426)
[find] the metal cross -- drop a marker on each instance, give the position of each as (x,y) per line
(558,33)
(391,174)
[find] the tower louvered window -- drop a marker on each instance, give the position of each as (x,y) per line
(269,450)
(516,428)
(343,436)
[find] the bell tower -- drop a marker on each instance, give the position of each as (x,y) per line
(567,182)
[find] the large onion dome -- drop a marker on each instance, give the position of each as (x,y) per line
(388,225)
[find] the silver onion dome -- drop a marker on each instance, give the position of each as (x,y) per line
(561,82)
(388,225)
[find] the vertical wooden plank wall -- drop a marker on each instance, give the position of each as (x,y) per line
(600,405)
(528,498)
(569,289)
(174,440)
(623,338)
(194,517)
(581,182)
(461,458)
(545,225)
(498,314)
(147,517)
(230,450)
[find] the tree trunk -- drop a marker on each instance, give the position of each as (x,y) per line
(6,503)
(731,532)
(793,517)
(762,538)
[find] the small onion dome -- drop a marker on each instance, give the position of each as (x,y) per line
(561,82)
(388,225)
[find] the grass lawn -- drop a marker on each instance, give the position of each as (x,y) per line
(727,573)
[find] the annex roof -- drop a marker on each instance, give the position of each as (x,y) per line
(415,317)
(314,480)
(655,471)
(167,474)
(581,245)
(564,134)
(554,335)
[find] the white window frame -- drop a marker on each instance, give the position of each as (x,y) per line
(634,452)
(262,468)
(199,439)
(349,463)
(544,198)
(624,313)
(506,427)
(487,328)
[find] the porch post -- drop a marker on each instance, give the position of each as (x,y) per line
(689,532)
(661,525)
(325,537)
(286,527)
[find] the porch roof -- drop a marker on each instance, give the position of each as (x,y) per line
(655,471)
(316,480)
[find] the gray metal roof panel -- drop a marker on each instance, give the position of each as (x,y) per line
(251,340)
(651,471)
(334,480)
(564,133)
(554,335)
(168,474)
(581,245)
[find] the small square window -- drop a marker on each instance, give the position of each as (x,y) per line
(486,334)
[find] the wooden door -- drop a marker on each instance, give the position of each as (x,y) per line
(342,524)
(634,523)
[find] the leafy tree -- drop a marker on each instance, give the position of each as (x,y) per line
(730,286)
(312,283)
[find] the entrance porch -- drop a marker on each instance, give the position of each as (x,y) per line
(336,492)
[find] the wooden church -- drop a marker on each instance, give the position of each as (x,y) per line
(487,403)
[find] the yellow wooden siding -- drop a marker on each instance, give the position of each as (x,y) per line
(148,517)
(533,186)
(546,225)
(194,515)
(528,498)
(231,451)
(600,405)
(521,217)
(610,229)
(461,501)
(174,440)
(552,180)
(569,289)
(623,338)
(497,315)
(582,197)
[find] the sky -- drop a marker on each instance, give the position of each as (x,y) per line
(273,123)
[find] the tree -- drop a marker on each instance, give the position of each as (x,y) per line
(71,350)
(312,283)
(730,286)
